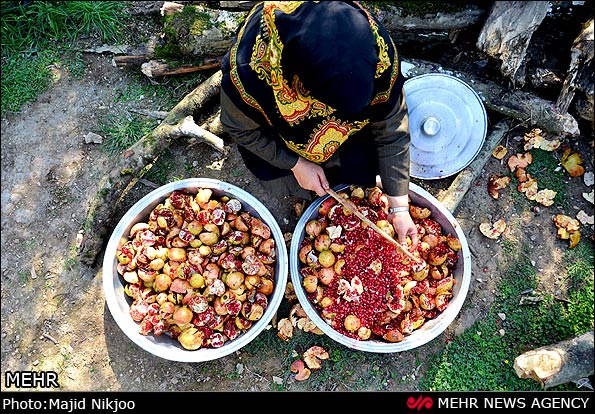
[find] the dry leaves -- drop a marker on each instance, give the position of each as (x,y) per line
(572,163)
(519,161)
(499,152)
(528,186)
(568,229)
(497,183)
(313,361)
(545,197)
(535,139)
(301,371)
(493,231)
(298,318)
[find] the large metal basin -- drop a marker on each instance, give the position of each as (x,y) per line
(432,328)
(119,303)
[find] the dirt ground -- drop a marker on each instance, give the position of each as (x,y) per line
(54,315)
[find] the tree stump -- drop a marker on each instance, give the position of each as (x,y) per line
(507,32)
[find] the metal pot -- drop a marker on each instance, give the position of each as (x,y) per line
(119,303)
(431,328)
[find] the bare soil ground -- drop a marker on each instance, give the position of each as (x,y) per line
(54,316)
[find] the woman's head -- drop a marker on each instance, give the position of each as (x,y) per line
(331,48)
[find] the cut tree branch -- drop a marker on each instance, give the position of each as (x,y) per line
(558,364)
(137,160)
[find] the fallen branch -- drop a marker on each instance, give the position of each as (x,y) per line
(137,160)
(558,364)
(156,69)
(524,106)
(461,184)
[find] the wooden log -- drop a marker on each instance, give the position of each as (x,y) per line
(524,106)
(396,18)
(135,162)
(452,197)
(558,364)
(157,69)
(507,32)
(580,72)
(236,5)
(202,32)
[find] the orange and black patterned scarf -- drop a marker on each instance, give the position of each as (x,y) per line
(315,72)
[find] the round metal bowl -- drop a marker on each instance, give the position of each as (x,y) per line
(431,328)
(119,303)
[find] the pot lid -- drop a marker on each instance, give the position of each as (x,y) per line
(447,124)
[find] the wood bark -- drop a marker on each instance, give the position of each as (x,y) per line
(507,32)
(397,19)
(203,32)
(157,69)
(452,197)
(133,164)
(580,73)
(558,364)
(524,106)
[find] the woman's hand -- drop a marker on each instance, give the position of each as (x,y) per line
(404,226)
(310,176)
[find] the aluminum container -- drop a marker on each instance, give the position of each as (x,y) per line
(431,328)
(119,303)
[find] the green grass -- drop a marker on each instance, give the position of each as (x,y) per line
(35,25)
(40,34)
(482,360)
(122,132)
(543,168)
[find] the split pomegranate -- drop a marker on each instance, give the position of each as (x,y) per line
(199,270)
(368,289)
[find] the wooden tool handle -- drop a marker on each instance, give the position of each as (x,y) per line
(353,208)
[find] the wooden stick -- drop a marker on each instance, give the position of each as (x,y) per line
(353,208)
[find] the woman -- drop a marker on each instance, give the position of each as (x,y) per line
(312,93)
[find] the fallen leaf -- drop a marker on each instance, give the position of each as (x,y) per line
(499,152)
(306,325)
(566,222)
(588,178)
(521,175)
(584,217)
(313,356)
(534,139)
(529,188)
(295,313)
(284,329)
(520,161)
(493,231)
(497,183)
(545,197)
(568,229)
(298,367)
(572,163)
(575,237)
